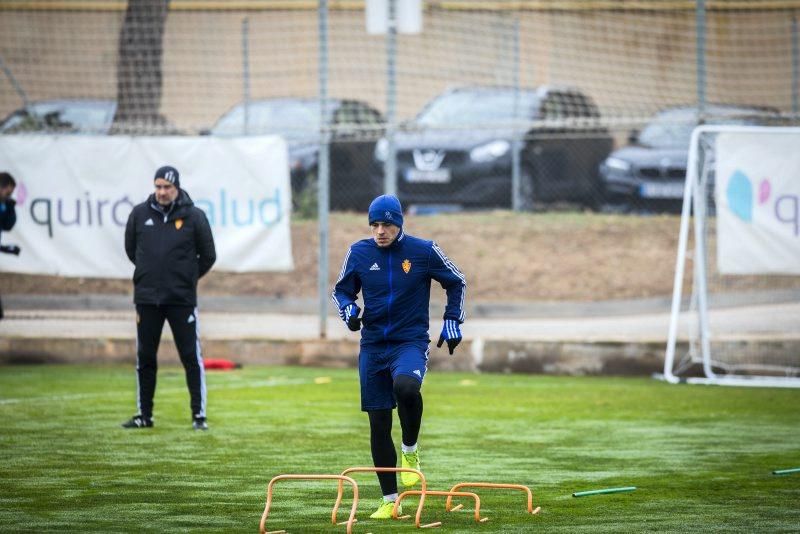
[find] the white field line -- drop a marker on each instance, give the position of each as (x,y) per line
(85,396)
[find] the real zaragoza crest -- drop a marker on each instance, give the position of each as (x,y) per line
(406,266)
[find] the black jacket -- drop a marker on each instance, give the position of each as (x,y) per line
(171,251)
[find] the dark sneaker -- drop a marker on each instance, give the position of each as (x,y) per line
(199,423)
(137,421)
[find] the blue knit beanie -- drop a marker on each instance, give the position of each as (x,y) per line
(386,208)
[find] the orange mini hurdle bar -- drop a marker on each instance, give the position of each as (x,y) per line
(424,486)
(340,478)
(493,485)
(422,495)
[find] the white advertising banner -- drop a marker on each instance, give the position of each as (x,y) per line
(758,202)
(74,195)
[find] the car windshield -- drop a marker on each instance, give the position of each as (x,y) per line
(293,118)
(673,129)
(475,107)
(84,117)
(667,133)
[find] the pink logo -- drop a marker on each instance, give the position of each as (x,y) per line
(22,193)
(764,190)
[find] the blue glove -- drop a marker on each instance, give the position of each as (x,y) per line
(451,333)
(351,318)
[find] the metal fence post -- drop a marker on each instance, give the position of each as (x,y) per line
(795,66)
(516,198)
(323,178)
(700,29)
(246,74)
(390,166)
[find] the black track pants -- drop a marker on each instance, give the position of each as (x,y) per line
(383,451)
(183,323)
(409,408)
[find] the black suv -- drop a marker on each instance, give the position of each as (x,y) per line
(457,152)
(649,174)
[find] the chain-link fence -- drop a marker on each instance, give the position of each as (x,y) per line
(491,104)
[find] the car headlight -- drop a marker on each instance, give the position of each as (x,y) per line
(489,151)
(382,149)
(618,164)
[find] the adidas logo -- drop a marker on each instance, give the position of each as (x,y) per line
(374,267)
(416,372)
(149,222)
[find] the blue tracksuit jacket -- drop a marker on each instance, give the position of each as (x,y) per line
(395,283)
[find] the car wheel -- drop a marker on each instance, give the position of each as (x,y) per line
(304,195)
(596,198)
(528,190)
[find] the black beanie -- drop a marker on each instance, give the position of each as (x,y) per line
(169,174)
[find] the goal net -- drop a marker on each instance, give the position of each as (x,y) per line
(737,273)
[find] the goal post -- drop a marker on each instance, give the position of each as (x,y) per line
(742,202)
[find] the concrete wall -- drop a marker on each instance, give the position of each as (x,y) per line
(478,355)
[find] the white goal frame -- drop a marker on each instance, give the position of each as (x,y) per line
(691,199)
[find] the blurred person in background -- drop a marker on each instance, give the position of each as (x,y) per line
(169,241)
(8,215)
(393,272)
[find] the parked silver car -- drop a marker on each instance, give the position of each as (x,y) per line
(354,127)
(62,116)
(79,116)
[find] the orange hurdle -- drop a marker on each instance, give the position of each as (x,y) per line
(526,489)
(340,478)
(424,487)
(422,495)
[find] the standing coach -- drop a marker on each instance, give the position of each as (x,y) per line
(169,241)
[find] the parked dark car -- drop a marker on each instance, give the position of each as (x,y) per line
(62,116)
(355,126)
(458,149)
(650,172)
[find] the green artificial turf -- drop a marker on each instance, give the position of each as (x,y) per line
(700,457)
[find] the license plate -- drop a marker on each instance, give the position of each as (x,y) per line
(659,190)
(437,176)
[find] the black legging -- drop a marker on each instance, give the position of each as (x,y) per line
(409,407)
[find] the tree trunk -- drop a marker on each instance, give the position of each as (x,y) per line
(141,46)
